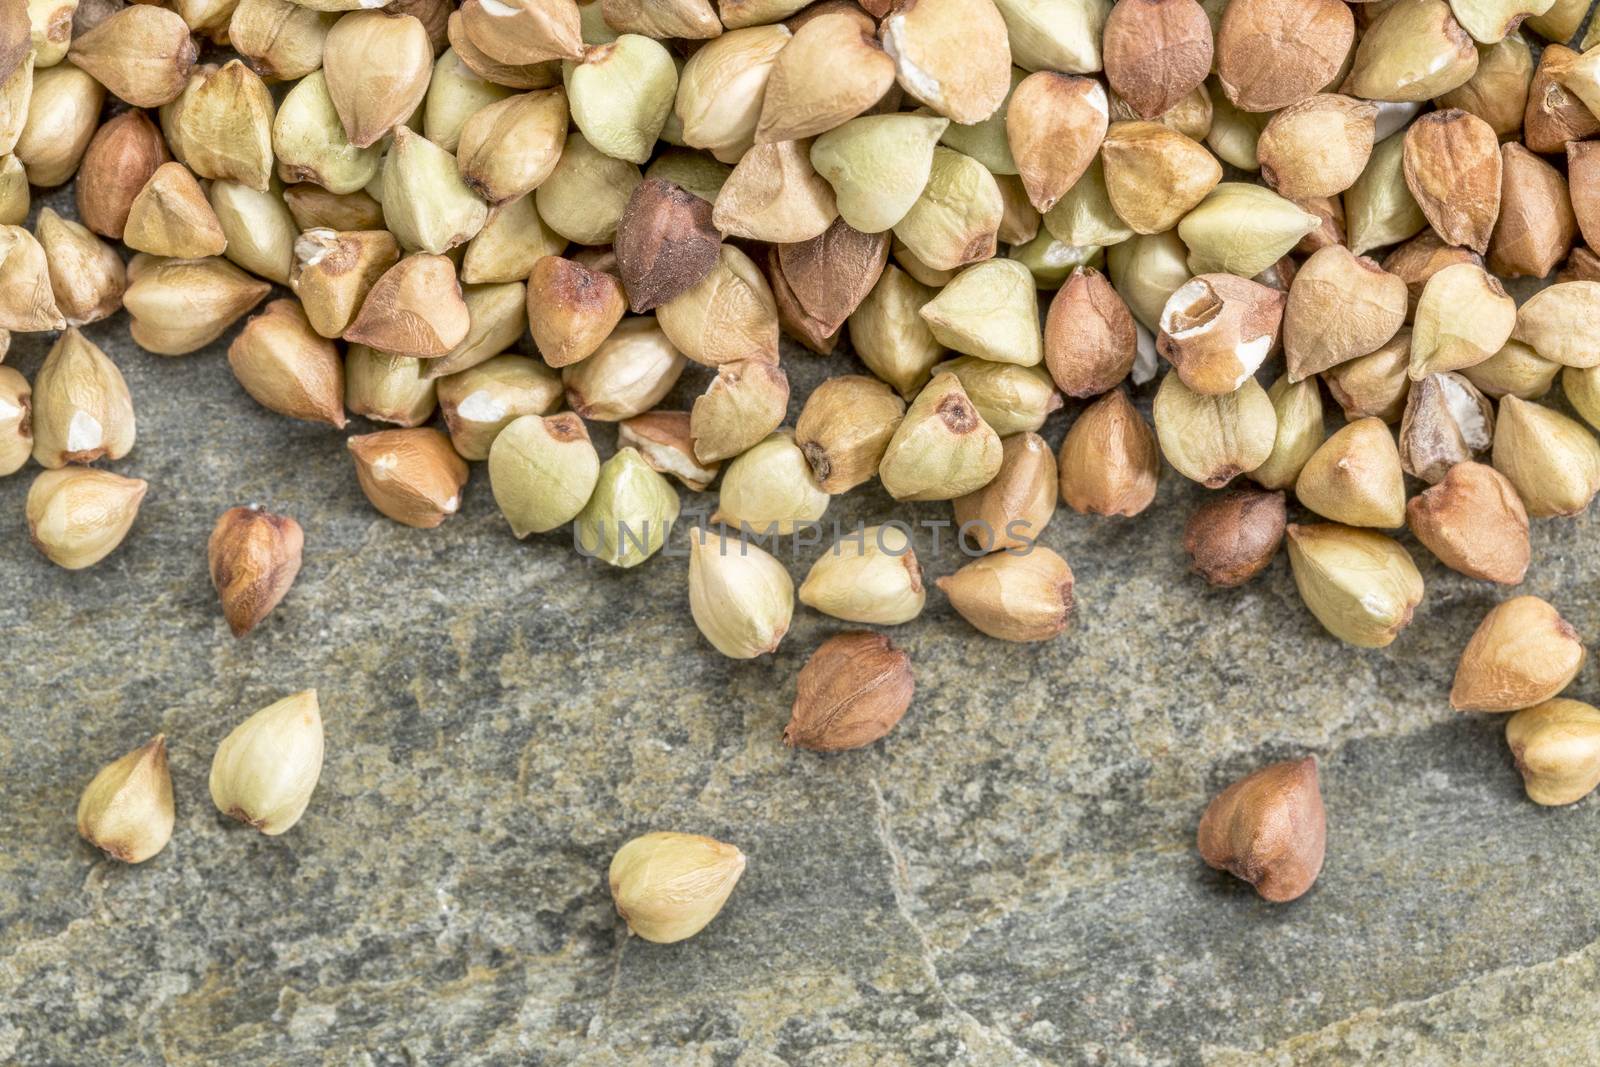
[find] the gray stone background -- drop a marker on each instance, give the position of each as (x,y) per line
(1009,878)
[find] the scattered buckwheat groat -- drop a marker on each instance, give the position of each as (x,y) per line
(1268,828)
(668,886)
(1522,654)
(1557,748)
(852,691)
(126,810)
(265,770)
(1109,462)
(254,557)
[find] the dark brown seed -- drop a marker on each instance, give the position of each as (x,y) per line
(1231,539)
(831,274)
(665,243)
(1089,337)
(792,317)
(852,691)
(1269,829)
(254,557)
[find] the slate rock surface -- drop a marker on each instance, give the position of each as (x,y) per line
(1009,878)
